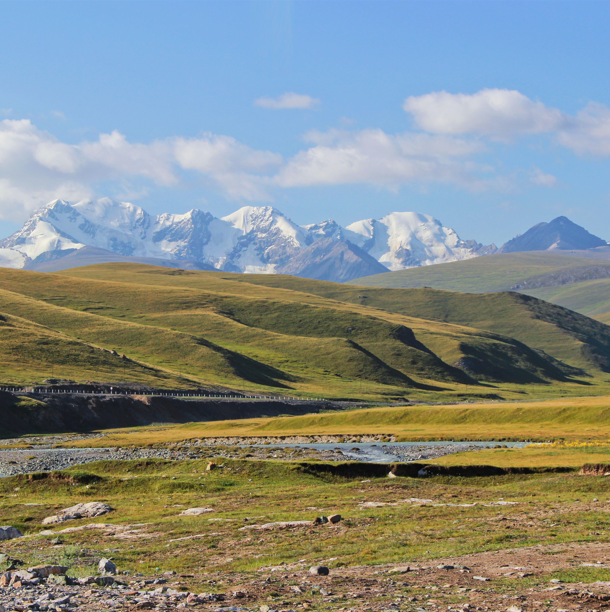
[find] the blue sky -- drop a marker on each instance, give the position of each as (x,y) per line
(490,116)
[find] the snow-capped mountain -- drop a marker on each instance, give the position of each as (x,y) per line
(252,239)
(407,239)
(267,239)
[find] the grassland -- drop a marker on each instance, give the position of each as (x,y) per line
(185,328)
(151,494)
(558,279)
(564,335)
(567,419)
(482,274)
(591,298)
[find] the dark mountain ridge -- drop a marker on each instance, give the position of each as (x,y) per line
(560,233)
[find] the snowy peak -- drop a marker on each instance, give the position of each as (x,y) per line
(408,239)
(326,229)
(268,239)
(252,239)
(265,220)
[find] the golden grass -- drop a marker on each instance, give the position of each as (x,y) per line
(560,419)
(533,456)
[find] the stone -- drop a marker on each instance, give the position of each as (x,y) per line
(106,567)
(334,518)
(88,510)
(8,533)
(211,466)
(5,579)
(44,571)
(103,580)
(59,579)
(23,575)
(195,511)
(445,567)
(319,570)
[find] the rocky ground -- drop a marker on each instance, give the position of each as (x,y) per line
(513,581)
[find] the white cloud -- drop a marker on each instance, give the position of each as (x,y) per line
(538,177)
(288,100)
(35,167)
(500,113)
(58,115)
(589,132)
(233,166)
(506,114)
(113,156)
(374,157)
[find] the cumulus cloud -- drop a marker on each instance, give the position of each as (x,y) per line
(374,157)
(589,132)
(506,114)
(233,166)
(289,100)
(499,113)
(35,167)
(538,177)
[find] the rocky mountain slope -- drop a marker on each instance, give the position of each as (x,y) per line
(250,240)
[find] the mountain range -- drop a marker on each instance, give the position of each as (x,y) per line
(250,240)
(255,240)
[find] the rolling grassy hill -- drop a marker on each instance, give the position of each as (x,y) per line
(591,298)
(578,280)
(501,272)
(573,339)
(284,334)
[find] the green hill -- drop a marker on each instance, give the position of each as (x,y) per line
(504,272)
(591,298)
(563,335)
(576,280)
(290,335)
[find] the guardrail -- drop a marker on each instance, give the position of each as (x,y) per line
(177,394)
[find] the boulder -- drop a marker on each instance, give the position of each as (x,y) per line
(334,518)
(23,576)
(88,510)
(106,567)
(59,579)
(319,570)
(195,511)
(44,571)
(8,533)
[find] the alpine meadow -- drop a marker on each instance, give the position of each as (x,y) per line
(304,306)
